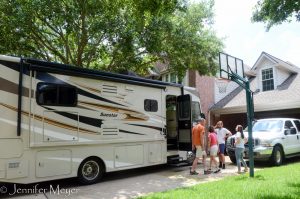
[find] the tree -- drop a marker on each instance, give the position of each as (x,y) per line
(111,35)
(274,12)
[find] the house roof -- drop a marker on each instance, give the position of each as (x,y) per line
(285,96)
(283,64)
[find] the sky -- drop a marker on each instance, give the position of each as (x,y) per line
(247,40)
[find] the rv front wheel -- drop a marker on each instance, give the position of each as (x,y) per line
(90,171)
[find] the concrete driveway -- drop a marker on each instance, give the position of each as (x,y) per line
(124,184)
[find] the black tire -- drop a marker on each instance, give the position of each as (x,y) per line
(232,159)
(277,156)
(90,171)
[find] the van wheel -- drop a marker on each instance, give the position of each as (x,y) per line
(232,159)
(277,156)
(90,171)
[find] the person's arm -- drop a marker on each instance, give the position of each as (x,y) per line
(193,145)
(228,133)
(237,140)
(208,141)
(202,141)
(245,140)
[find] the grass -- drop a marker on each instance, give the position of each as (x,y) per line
(271,183)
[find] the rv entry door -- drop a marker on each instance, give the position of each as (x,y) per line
(184,123)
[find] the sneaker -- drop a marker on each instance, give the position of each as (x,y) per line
(220,165)
(217,171)
(223,166)
(193,173)
(206,172)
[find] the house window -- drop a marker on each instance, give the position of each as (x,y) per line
(150,105)
(167,77)
(50,94)
(267,79)
(173,78)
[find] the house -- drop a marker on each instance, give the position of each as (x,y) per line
(203,84)
(276,92)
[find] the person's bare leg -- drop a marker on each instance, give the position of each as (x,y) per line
(204,162)
(195,163)
(214,161)
(220,160)
(223,161)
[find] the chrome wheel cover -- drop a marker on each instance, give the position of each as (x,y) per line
(90,170)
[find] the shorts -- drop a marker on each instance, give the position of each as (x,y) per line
(199,152)
(222,148)
(213,150)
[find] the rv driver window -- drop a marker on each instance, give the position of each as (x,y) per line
(56,95)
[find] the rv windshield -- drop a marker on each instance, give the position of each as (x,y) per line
(267,126)
(195,111)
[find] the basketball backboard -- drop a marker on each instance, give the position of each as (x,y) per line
(229,65)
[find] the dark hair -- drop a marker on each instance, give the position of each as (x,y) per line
(211,129)
(239,128)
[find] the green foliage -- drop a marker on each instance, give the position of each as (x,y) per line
(273,183)
(274,12)
(112,35)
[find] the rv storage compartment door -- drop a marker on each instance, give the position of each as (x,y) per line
(53,163)
(184,123)
(129,155)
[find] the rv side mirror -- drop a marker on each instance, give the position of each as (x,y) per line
(202,115)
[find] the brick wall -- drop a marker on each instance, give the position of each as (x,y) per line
(205,87)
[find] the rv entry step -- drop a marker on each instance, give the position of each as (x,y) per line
(176,160)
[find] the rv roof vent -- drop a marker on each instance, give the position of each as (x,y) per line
(110,90)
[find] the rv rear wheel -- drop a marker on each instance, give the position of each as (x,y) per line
(90,171)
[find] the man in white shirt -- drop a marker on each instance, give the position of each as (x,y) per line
(222,134)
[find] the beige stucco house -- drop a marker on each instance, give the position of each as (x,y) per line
(276,92)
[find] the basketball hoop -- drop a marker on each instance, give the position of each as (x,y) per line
(222,84)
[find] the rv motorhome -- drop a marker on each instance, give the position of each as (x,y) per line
(59,121)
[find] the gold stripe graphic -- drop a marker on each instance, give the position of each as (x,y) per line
(51,121)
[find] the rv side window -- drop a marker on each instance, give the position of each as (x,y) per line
(184,110)
(195,111)
(150,105)
(56,94)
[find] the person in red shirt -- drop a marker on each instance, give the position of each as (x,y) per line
(198,144)
(213,148)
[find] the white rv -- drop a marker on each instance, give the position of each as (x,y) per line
(59,121)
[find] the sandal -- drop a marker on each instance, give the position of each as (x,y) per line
(193,173)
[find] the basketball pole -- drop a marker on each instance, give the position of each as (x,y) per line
(234,75)
(250,113)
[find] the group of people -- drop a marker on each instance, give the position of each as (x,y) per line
(214,143)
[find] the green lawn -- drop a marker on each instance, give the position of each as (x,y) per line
(271,183)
